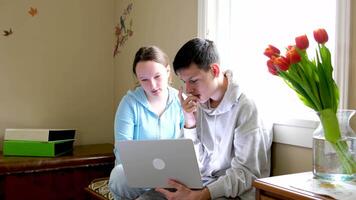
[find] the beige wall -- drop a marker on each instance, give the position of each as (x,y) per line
(56,69)
(167,24)
(288,159)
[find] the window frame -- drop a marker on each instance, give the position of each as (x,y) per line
(300,131)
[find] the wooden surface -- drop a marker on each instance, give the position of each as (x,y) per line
(279,187)
(81,156)
(63,177)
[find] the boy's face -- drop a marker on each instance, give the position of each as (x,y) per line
(198,82)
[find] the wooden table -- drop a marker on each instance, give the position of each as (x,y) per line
(293,186)
(63,177)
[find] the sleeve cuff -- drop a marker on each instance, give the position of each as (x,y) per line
(216,189)
(190,133)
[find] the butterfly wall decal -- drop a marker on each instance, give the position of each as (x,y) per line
(6,33)
(33,11)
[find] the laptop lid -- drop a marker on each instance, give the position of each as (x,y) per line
(150,163)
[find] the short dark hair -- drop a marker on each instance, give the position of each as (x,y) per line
(201,52)
(150,53)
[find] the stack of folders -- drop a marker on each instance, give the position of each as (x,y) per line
(38,142)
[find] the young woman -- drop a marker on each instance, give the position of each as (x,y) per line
(151,111)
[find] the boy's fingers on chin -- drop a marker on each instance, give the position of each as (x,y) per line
(190,110)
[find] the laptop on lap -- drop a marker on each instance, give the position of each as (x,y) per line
(150,163)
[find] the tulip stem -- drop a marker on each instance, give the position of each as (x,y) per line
(342,150)
(332,134)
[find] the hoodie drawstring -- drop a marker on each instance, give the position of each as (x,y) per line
(215,136)
(138,122)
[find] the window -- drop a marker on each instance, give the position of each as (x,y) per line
(243,29)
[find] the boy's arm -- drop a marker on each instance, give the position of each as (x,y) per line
(251,145)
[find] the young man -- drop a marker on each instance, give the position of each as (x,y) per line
(232,146)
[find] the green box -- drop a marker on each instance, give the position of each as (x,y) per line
(36,148)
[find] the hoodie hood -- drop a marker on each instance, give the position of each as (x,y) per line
(140,96)
(230,98)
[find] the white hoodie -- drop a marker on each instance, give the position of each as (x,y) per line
(232,146)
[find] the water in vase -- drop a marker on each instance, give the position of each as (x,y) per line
(327,164)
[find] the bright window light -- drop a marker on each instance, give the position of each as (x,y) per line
(242,30)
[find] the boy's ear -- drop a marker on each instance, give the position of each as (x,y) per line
(215,68)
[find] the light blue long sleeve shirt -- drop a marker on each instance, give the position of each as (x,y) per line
(135,120)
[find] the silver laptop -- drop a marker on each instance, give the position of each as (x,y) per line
(150,163)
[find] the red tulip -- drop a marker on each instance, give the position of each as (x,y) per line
(271,68)
(281,62)
(302,42)
(271,51)
(321,36)
(293,56)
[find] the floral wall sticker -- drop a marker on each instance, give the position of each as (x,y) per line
(123,30)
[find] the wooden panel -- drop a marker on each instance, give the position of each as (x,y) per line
(81,156)
(62,177)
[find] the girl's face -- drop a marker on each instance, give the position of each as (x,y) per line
(153,77)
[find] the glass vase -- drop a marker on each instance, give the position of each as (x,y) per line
(334,148)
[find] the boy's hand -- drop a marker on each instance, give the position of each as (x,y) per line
(182,192)
(190,106)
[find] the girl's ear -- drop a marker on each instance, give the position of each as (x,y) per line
(215,68)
